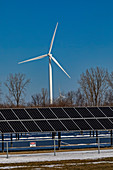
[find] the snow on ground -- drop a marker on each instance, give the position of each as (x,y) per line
(19,158)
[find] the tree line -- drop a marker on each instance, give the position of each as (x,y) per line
(95,89)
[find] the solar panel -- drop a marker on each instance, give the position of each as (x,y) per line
(31,126)
(59,112)
(8,114)
(111,108)
(1,116)
(72,112)
(70,125)
(95,124)
(57,125)
(55,119)
(82,124)
(17,126)
(5,127)
(107,111)
(34,113)
(96,112)
(47,113)
(44,125)
(84,112)
(21,113)
(106,123)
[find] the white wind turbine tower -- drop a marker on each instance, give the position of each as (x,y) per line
(50,67)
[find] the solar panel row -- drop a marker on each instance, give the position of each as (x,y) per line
(55,119)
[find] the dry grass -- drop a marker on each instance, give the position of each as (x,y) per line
(100,164)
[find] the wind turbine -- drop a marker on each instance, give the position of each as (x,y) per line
(50,67)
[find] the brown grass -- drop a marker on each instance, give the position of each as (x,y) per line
(65,164)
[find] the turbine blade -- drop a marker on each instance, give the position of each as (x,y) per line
(32,59)
(59,65)
(50,48)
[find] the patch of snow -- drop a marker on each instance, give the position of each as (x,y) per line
(59,156)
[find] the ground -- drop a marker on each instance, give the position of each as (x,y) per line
(77,159)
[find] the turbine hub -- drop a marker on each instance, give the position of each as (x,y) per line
(50,55)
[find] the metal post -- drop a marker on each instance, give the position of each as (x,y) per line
(90,133)
(111,139)
(98,145)
(7,150)
(2,142)
(59,139)
(96,136)
(18,136)
(54,147)
(11,140)
(93,133)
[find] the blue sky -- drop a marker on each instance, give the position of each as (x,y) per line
(84,39)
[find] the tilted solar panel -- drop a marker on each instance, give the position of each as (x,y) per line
(55,119)
(96,112)
(57,125)
(106,123)
(44,126)
(107,111)
(35,114)
(95,124)
(72,112)
(47,113)
(84,112)
(31,126)
(70,125)
(21,113)
(8,114)
(59,112)
(82,124)
(18,126)
(1,116)
(5,127)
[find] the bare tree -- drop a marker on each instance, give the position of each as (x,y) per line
(110,80)
(108,98)
(0,91)
(40,99)
(93,84)
(16,85)
(70,98)
(79,98)
(44,95)
(36,99)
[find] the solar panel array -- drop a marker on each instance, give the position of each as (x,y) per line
(56,119)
